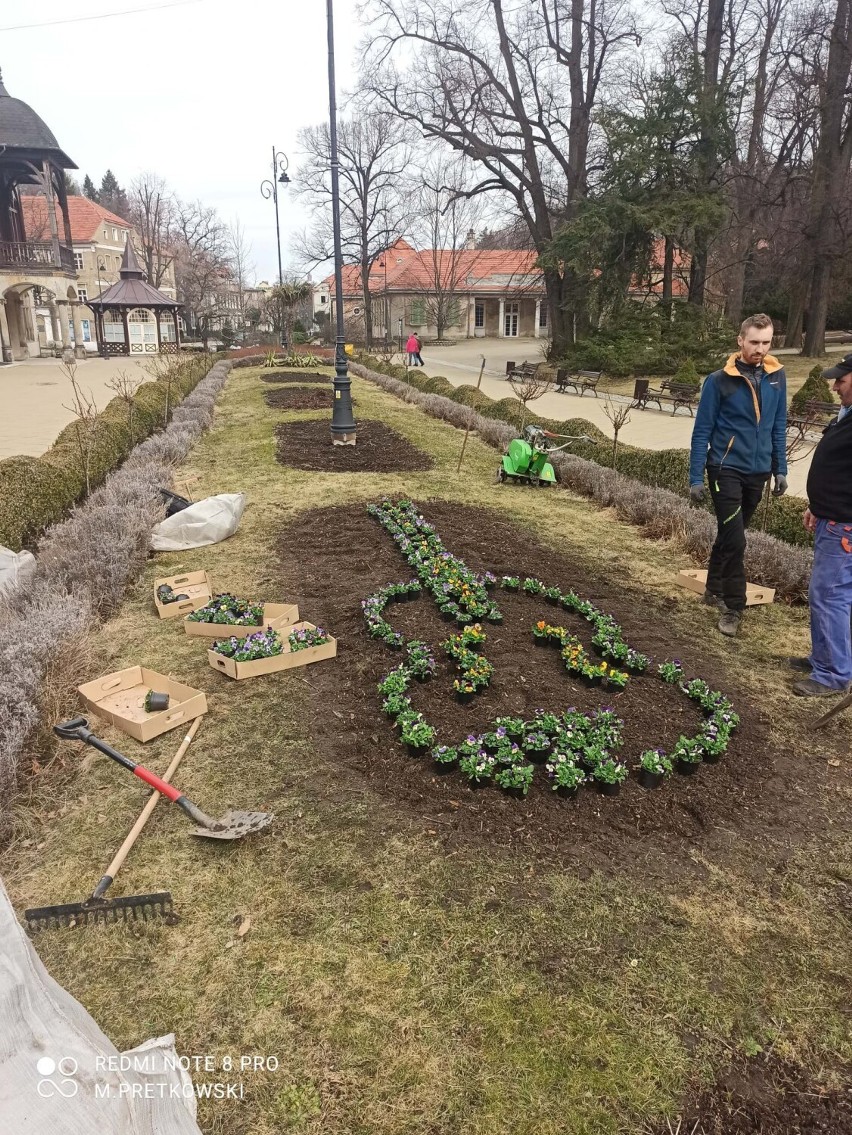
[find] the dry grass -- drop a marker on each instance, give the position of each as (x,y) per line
(406,990)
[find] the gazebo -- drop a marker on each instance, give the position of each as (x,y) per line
(133,318)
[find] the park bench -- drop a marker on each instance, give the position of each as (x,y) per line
(671,393)
(816,415)
(525,370)
(582,381)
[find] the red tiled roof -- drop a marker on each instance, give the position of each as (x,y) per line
(86,218)
(469,270)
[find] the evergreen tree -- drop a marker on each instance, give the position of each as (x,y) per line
(112,196)
(89,189)
(72,187)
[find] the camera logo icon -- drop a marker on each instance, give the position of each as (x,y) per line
(56,1077)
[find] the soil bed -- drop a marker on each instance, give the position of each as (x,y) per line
(306,445)
(765,1096)
(294,398)
(344,555)
(295,376)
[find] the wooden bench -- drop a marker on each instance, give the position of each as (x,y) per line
(525,370)
(582,381)
(671,393)
(815,416)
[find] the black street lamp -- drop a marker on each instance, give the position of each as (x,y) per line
(99,319)
(342,419)
(269,188)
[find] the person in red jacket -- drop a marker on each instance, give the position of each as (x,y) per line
(412,346)
(829,517)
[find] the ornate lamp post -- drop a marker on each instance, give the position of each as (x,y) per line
(342,420)
(99,321)
(269,188)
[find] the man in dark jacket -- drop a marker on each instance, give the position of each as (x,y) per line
(740,437)
(829,518)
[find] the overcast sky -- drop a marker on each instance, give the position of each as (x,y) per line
(198,92)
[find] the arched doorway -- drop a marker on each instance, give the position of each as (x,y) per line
(142,331)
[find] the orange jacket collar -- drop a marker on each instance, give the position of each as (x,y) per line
(770,364)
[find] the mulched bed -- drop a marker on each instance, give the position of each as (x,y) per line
(307,445)
(295,376)
(344,555)
(294,398)
(765,1097)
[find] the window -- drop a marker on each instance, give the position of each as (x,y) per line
(106,235)
(78,261)
(542,315)
(323,299)
(417,317)
(115,234)
(87,330)
(83,295)
(479,314)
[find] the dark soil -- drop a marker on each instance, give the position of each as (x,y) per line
(295,376)
(294,398)
(344,555)
(307,445)
(766,1097)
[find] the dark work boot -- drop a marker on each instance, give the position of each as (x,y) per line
(712,600)
(802,665)
(729,624)
(808,688)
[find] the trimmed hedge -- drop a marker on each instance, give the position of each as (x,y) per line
(35,492)
(660,468)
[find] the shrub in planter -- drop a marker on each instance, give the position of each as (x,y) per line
(654,766)
(609,775)
(516,779)
(446,758)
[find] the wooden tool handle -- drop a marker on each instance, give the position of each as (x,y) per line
(133,834)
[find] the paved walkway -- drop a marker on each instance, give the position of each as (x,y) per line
(36,395)
(648,429)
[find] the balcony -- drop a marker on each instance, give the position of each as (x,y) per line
(35,254)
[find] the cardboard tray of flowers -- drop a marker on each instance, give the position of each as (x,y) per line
(194,584)
(286,659)
(119,698)
(275,615)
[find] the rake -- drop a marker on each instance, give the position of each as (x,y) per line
(98,908)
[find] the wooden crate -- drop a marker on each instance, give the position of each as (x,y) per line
(118,698)
(195,584)
(286,661)
(275,615)
(696,580)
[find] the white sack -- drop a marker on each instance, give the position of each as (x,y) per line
(205,522)
(15,568)
(54,1060)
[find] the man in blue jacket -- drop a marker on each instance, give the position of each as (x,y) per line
(739,436)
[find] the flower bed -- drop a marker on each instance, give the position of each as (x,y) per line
(574,747)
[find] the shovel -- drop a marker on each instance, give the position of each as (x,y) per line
(844,703)
(233,825)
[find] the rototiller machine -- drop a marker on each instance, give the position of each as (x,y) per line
(527,458)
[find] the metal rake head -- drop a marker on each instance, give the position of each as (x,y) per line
(127,908)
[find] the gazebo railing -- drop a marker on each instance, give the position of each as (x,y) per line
(34,254)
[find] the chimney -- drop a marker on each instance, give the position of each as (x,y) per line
(470,240)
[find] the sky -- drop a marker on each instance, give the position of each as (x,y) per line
(198,92)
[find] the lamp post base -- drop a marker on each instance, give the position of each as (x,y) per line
(343,439)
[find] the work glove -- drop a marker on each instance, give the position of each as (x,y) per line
(696,493)
(780,485)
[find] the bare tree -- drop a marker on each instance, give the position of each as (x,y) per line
(619,415)
(373,206)
(86,423)
(125,386)
(490,82)
(528,387)
(242,266)
(202,265)
(152,213)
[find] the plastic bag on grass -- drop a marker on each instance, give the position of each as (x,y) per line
(60,1075)
(15,568)
(206,522)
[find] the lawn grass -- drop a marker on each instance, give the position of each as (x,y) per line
(402,986)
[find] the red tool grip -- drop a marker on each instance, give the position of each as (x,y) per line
(160,785)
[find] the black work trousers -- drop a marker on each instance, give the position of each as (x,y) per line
(735,497)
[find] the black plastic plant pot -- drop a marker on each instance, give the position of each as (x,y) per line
(538,756)
(442,768)
(565,793)
(541,641)
(566,606)
(448,616)
(515,793)
(712,758)
(464,698)
(608,789)
(173,502)
(395,645)
(554,602)
(155,702)
(650,779)
(477,784)
(687,768)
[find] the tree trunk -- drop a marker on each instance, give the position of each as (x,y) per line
(708,145)
(561,311)
(796,311)
(814,345)
(667,296)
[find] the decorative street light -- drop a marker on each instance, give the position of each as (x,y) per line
(269,188)
(100,266)
(342,420)
(383,263)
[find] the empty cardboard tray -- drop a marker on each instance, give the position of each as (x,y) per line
(119,698)
(286,661)
(275,615)
(696,580)
(195,584)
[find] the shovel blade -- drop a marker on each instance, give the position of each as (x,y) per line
(236,824)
